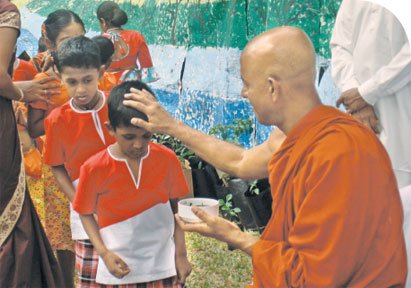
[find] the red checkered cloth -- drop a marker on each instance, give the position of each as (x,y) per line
(164,283)
(86,264)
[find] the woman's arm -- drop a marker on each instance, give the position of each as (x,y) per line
(7,44)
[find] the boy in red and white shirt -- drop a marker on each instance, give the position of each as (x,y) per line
(133,187)
(74,132)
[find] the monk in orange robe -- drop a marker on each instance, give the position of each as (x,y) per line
(337,215)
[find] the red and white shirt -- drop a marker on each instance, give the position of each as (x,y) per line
(107,186)
(73,136)
(134,215)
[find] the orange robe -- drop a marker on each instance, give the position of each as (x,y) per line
(337,216)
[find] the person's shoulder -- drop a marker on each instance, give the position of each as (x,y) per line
(97,161)
(344,135)
(135,34)
(61,113)
(161,150)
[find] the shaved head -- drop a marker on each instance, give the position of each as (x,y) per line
(278,73)
(282,53)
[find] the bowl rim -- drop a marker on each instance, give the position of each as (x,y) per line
(213,201)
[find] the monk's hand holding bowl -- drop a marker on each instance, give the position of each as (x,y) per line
(220,229)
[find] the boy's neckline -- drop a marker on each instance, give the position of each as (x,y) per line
(113,151)
(96,106)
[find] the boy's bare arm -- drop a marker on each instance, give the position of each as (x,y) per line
(183,266)
(114,263)
(64,181)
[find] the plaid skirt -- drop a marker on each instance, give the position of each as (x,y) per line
(86,264)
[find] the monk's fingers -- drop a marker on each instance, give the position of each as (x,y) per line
(201,214)
(191,227)
(136,104)
(140,95)
(141,123)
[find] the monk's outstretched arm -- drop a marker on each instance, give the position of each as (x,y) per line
(232,159)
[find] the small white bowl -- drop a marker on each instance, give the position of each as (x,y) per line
(184,208)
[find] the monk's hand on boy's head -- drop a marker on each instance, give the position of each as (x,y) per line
(211,226)
(159,121)
(183,268)
(115,265)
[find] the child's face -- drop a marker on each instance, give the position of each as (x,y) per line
(132,141)
(72,30)
(81,83)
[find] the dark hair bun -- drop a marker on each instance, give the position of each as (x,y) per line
(119,18)
(112,14)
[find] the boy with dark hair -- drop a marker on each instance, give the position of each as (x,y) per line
(74,132)
(130,186)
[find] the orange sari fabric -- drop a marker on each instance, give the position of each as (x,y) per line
(337,215)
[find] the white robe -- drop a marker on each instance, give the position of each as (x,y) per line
(370,51)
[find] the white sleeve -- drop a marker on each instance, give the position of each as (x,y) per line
(389,78)
(342,44)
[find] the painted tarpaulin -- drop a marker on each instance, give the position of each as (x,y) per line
(196,44)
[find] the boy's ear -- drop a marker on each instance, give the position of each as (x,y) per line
(109,128)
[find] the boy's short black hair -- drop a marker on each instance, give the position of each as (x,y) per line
(120,115)
(106,48)
(77,52)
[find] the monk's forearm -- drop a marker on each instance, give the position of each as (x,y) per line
(242,241)
(222,155)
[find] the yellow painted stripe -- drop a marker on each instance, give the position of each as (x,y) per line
(21,3)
